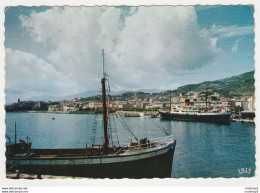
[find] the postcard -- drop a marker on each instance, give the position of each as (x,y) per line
(109,93)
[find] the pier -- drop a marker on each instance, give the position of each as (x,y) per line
(242,120)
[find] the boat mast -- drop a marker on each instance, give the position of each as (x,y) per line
(105,116)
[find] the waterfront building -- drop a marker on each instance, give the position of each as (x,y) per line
(251,103)
(85,107)
(57,107)
(154,105)
(68,108)
(95,105)
(242,103)
(125,106)
(143,104)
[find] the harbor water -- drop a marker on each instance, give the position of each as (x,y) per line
(204,150)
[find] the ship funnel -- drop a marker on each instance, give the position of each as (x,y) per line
(187,102)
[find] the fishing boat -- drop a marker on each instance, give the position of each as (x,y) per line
(188,112)
(141,158)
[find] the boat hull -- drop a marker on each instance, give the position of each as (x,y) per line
(152,164)
(210,118)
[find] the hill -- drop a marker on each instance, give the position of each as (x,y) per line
(235,86)
(232,87)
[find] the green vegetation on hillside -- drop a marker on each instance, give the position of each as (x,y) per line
(235,86)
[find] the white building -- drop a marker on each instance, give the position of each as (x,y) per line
(251,103)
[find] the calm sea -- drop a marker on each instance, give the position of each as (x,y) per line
(202,150)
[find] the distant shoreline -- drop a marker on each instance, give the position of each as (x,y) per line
(51,112)
(79,112)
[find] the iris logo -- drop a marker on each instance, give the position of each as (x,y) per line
(244,170)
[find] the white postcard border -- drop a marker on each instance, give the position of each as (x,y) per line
(254,181)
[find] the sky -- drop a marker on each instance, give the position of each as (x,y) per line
(56,51)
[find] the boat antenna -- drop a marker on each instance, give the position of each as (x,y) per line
(105,116)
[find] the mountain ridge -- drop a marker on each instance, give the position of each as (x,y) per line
(234,86)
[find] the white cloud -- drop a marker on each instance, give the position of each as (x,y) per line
(231,31)
(235,46)
(28,76)
(149,45)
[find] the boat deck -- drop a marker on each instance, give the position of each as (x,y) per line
(144,145)
(57,153)
(90,151)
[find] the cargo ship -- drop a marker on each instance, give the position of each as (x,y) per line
(141,158)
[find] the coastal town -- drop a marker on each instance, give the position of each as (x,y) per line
(135,101)
(233,94)
(129,92)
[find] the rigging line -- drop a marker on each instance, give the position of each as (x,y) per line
(110,131)
(94,130)
(126,127)
(98,81)
(164,130)
(113,117)
(123,123)
(99,72)
(108,86)
(192,154)
(112,85)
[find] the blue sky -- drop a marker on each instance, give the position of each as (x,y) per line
(57,50)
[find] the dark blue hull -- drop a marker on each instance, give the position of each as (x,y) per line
(214,118)
(156,166)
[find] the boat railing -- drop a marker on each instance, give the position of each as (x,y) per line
(165,139)
(154,143)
